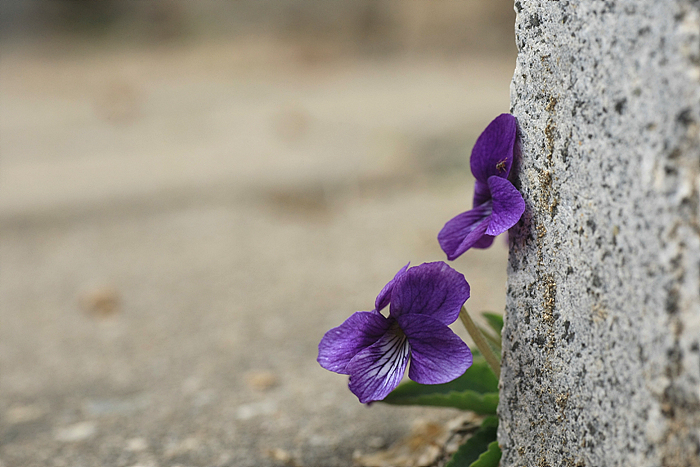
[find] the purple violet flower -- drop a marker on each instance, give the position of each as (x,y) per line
(498,205)
(375,350)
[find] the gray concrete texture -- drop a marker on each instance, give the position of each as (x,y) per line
(601,362)
(180,224)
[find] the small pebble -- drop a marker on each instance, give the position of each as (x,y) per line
(279,455)
(248,411)
(319,440)
(183,447)
(101,302)
(376,442)
(77,432)
(100,407)
(136,444)
(23,414)
(261,380)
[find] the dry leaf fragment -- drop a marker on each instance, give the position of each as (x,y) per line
(428,444)
(261,380)
(101,302)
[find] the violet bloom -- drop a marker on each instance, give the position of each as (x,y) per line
(375,350)
(498,205)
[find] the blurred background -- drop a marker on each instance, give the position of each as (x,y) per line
(192,192)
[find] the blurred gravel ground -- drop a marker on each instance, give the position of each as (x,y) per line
(180,226)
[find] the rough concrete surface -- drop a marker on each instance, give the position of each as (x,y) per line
(601,361)
(180,225)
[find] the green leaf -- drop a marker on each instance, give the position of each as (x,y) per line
(479,446)
(475,390)
(485,404)
(490,458)
(494,320)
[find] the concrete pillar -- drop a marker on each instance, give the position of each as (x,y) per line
(601,356)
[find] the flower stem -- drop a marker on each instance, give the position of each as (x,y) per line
(480,341)
(493,340)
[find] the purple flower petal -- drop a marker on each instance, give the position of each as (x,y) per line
(482,193)
(385,295)
(508,206)
(493,151)
(431,289)
(464,231)
(438,355)
(484,242)
(341,344)
(378,369)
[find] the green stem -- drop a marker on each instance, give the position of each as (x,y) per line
(493,340)
(480,341)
